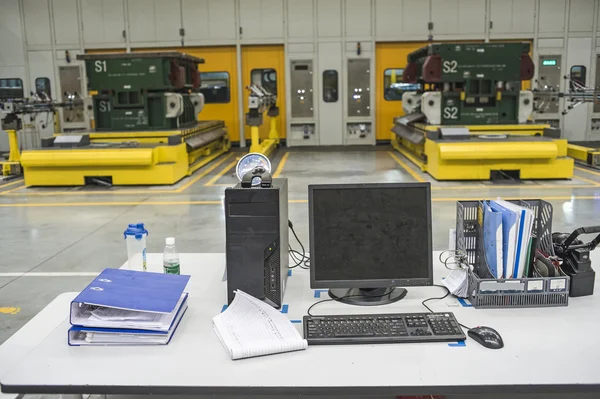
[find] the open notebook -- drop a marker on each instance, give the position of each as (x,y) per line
(250,327)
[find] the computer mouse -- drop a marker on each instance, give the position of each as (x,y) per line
(487,337)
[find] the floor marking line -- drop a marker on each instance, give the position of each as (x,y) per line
(9,310)
(595,183)
(12,189)
(504,187)
(50,274)
(281,165)
(220,174)
(12,183)
(587,170)
(406,168)
(204,173)
(129,203)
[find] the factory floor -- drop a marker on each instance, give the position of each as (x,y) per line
(54,240)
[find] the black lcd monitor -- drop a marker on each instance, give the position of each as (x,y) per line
(368,240)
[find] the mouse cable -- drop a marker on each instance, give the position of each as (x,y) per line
(440,298)
(348,296)
(300,258)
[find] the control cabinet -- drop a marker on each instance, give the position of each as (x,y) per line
(303,134)
(301,74)
(549,77)
(359,87)
(359,133)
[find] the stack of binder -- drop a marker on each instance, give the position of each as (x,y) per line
(126,307)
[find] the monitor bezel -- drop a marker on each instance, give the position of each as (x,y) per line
(372,283)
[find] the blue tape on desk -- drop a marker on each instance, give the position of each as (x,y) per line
(289,273)
(296,321)
(458,344)
(464,303)
(319,292)
(223,308)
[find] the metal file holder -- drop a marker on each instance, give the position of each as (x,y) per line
(486,292)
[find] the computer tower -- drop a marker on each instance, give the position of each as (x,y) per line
(256,243)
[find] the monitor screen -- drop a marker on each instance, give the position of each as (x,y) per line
(370,235)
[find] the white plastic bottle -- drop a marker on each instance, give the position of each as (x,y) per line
(170,257)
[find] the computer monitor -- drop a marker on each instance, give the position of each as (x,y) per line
(368,239)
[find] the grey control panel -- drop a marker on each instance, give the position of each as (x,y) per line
(359,87)
(549,77)
(301,73)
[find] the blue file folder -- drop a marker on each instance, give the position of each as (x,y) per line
(133,291)
(509,238)
(492,240)
(83,336)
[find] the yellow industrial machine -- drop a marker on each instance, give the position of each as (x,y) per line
(585,152)
(466,117)
(260,100)
(145,109)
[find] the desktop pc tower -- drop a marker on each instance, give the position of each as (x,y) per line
(256,228)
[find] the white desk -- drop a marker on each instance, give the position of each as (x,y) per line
(533,360)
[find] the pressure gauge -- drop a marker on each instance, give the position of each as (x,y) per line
(250,161)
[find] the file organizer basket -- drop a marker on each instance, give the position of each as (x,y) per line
(487,292)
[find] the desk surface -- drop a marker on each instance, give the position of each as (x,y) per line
(534,358)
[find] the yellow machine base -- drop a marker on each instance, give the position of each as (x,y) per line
(476,160)
(588,154)
(152,162)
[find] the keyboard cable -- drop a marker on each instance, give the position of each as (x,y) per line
(440,298)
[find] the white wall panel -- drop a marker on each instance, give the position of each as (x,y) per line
(329,18)
(37,22)
(222,24)
(209,19)
(358,18)
(154,20)
(272,18)
(551,43)
(11,37)
(471,17)
(388,17)
(581,16)
(300,19)
(512,17)
(401,18)
(330,114)
(66,22)
(103,21)
(250,18)
(552,16)
(415,18)
(261,19)
(523,16)
(444,15)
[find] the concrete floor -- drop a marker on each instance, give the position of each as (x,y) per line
(80,231)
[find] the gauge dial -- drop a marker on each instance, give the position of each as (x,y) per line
(251,161)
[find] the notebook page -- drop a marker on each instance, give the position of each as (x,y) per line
(250,327)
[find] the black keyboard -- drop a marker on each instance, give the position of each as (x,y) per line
(382,328)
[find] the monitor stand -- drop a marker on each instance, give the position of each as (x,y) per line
(367,296)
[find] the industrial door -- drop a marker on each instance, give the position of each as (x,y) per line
(264,65)
(390,60)
(218,83)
